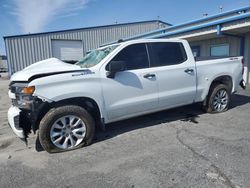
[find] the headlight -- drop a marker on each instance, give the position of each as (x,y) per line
(24,95)
(28,90)
(24,101)
(25,90)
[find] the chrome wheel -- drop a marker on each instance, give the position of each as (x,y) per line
(220,100)
(67,132)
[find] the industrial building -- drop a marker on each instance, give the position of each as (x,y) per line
(3,63)
(68,45)
(224,34)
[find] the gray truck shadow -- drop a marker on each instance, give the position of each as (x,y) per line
(189,113)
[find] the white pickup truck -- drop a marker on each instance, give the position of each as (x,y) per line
(66,102)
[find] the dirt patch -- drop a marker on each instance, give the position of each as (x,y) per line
(4,144)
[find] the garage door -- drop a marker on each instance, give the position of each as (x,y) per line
(67,50)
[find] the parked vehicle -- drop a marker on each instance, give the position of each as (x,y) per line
(66,102)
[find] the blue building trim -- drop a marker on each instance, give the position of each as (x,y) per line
(201,26)
(239,12)
(242,39)
(219,30)
(242,46)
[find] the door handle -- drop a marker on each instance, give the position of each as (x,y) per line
(189,71)
(149,76)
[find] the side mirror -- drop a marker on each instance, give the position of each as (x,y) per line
(114,67)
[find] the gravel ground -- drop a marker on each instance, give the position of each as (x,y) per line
(182,147)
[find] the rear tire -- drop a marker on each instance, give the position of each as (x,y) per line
(218,99)
(66,128)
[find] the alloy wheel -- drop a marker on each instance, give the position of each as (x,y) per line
(220,100)
(67,132)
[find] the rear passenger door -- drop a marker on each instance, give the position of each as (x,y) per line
(175,73)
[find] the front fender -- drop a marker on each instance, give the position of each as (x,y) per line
(60,87)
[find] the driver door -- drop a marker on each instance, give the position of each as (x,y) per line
(134,91)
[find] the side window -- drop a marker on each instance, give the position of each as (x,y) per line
(168,53)
(135,56)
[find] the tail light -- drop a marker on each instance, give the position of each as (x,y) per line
(242,61)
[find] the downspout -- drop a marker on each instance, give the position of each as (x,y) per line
(242,46)
(242,39)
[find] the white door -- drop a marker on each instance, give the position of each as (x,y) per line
(67,50)
(176,74)
(133,91)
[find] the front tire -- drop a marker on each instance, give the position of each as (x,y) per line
(218,99)
(66,128)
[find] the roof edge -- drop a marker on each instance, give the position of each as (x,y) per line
(83,28)
(188,23)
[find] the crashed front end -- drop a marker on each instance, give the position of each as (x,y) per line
(23,114)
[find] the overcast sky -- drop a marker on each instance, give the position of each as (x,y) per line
(31,16)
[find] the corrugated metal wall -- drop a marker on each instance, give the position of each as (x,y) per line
(234,44)
(25,50)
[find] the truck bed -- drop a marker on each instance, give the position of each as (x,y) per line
(205,58)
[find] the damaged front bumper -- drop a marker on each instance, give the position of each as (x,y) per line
(20,122)
(23,121)
(14,121)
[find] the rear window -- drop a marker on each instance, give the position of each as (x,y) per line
(167,53)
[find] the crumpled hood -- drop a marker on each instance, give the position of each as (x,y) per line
(52,65)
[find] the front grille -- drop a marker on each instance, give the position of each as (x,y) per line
(17,122)
(13,89)
(15,86)
(14,102)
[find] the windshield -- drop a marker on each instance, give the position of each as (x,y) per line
(95,57)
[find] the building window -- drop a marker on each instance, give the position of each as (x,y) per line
(196,51)
(219,50)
